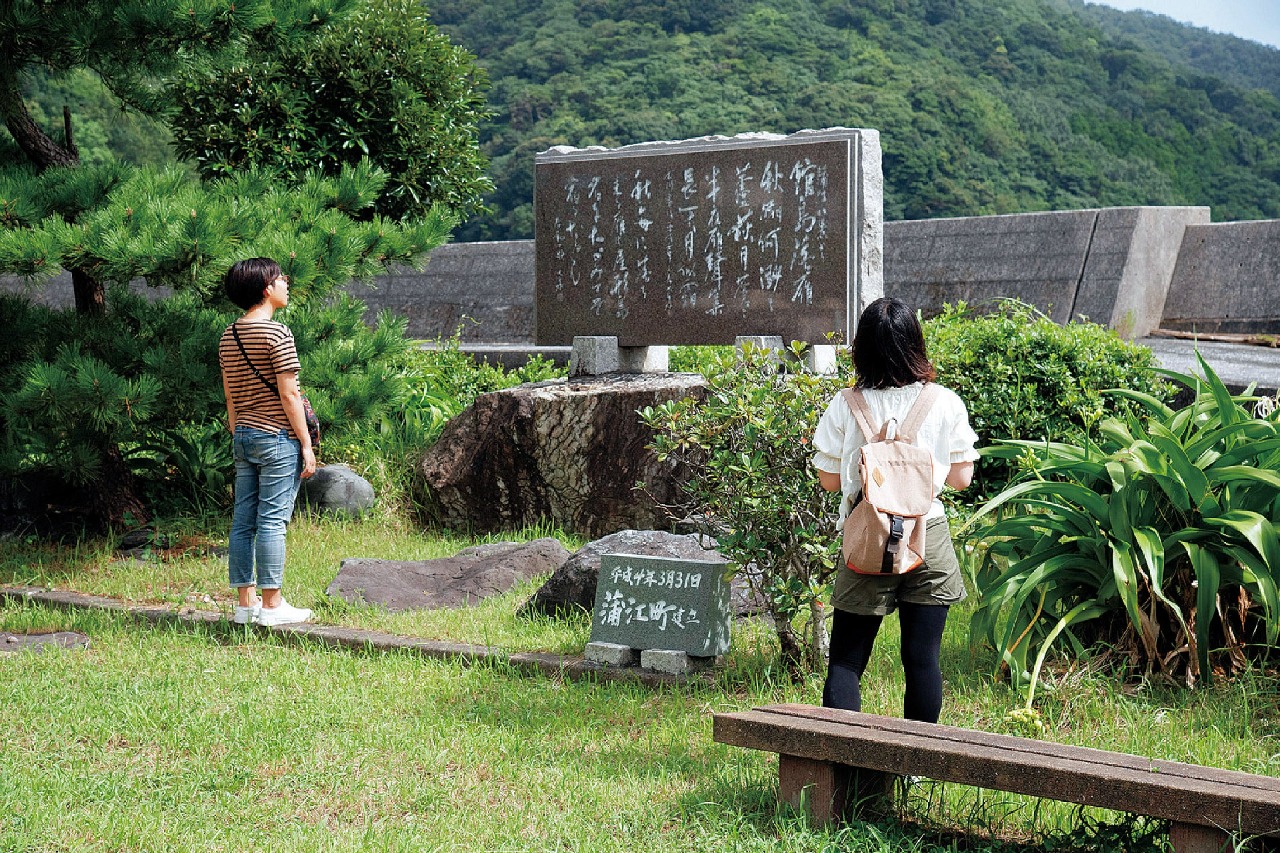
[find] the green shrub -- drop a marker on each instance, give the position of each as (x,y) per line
(695,359)
(1159,538)
(133,411)
(1023,376)
(753,488)
(438,382)
(88,397)
(445,380)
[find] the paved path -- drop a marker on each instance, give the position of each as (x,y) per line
(563,666)
(1235,364)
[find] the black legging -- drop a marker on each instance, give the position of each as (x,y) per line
(852,637)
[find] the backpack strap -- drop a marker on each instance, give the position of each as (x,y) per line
(910,426)
(861,412)
(918,412)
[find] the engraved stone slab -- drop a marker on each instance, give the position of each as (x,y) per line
(661,603)
(699,241)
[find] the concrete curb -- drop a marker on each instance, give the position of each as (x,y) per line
(571,667)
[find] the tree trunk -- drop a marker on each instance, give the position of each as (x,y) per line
(790,649)
(819,641)
(42,151)
(116,502)
(91,295)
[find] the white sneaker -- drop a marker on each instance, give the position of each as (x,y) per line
(246,615)
(282,614)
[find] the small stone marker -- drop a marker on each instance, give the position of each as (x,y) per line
(610,654)
(661,603)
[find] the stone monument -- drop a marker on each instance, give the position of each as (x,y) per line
(707,240)
(675,612)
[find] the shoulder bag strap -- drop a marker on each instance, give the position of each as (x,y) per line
(249,361)
(918,412)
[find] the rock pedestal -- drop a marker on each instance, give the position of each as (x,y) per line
(568,452)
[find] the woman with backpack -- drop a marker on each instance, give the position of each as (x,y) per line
(892,371)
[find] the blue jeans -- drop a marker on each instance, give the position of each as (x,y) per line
(268,473)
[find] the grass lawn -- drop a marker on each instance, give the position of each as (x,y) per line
(213,738)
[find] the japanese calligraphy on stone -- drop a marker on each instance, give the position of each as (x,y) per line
(660,603)
(694,246)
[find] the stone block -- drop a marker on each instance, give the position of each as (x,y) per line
(769,342)
(1130,266)
(821,359)
(674,661)
(565,452)
(481,291)
(699,240)
(610,654)
(1112,265)
(594,355)
(644,359)
(1035,257)
(1225,280)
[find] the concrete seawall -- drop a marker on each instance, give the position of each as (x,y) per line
(1112,265)
(482,290)
(1227,279)
(1136,269)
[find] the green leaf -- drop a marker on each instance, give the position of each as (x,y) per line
(1082,612)
(1081,496)
(1258,530)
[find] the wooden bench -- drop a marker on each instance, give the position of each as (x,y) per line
(829,759)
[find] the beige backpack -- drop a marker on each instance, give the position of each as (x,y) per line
(884,533)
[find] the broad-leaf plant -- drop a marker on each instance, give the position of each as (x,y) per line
(1157,537)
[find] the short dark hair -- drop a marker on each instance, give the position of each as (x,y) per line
(888,348)
(246,282)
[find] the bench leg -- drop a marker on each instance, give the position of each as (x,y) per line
(832,790)
(1193,838)
(821,785)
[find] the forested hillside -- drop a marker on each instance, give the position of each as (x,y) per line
(1246,63)
(985,106)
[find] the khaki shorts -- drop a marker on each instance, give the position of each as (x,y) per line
(936,581)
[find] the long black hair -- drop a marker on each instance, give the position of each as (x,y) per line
(888,349)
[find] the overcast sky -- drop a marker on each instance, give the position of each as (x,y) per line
(1258,20)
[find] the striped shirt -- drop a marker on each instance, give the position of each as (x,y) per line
(271,349)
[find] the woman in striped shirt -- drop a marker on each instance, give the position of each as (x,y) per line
(272,449)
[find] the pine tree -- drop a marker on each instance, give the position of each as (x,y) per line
(134,46)
(113,224)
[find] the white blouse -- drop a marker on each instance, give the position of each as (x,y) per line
(945,432)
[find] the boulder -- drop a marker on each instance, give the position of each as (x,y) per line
(568,452)
(573,586)
(336,489)
(471,575)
